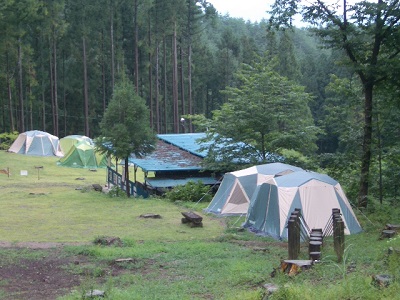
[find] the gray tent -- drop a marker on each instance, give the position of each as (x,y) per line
(36,142)
(315,194)
(236,189)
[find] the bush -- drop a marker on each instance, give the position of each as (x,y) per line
(116,191)
(190,192)
(6,139)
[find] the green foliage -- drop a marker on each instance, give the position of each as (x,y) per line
(297,159)
(190,192)
(366,33)
(6,139)
(116,191)
(124,127)
(264,112)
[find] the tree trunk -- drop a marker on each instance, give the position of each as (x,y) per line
(151,104)
(136,29)
(183,108)
(85,88)
(127,185)
(378,133)
(175,81)
(190,100)
(112,44)
(366,150)
(29,98)
(56,127)
(103,72)
(157,100)
(165,86)
(64,96)
(53,113)
(21,95)
(43,107)
(9,96)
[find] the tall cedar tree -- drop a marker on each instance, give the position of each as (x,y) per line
(125,126)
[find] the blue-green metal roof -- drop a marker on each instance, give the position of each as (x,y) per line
(186,141)
(174,152)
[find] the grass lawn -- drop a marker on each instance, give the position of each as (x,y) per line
(56,205)
(169,260)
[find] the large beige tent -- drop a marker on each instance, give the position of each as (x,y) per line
(313,193)
(36,142)
(236,189)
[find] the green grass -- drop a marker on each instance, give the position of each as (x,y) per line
(172,260)
(51,209)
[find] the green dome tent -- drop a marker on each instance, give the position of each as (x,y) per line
(83,155)
(68,141)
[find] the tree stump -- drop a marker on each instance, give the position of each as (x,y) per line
(150,216)
(393,227)
(293,267)
(387,234)
(97,187)
(381,280)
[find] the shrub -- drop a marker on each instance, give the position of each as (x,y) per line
(6,139)
(191,192)
(116,191)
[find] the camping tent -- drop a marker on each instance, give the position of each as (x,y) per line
(68,141)
(38,143)
(236,189)
(315,194)
(83,155)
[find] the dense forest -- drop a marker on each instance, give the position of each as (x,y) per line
(60,60)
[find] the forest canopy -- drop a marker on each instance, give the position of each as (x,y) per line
(61,59)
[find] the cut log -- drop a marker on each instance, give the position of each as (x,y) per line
(381,280)
(387,234)
(293,266)
(393,227)
(150,216)
(97,187)
(192,219)
(122,260)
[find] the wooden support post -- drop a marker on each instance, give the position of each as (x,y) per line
(296,217)
(291,239)
(314,246)
(339,238)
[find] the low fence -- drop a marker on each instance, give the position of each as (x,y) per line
(136,189)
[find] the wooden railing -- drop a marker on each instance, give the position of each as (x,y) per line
(136,189)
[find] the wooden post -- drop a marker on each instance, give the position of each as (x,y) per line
(291,239)
(340,225)
(296,217)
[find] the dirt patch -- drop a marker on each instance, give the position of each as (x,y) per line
(50,273)
(37,279)
(36,245)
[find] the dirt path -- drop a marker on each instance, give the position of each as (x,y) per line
(45,278)
(36,245)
